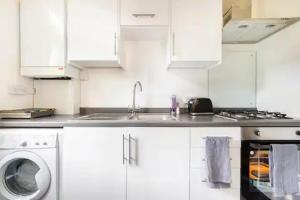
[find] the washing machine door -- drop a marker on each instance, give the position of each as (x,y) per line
(25,176)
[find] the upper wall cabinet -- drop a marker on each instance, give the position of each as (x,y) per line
(196,33)
(145,12)
(43,43)
(276,9)
(93,33)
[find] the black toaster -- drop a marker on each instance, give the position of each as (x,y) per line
(200,106)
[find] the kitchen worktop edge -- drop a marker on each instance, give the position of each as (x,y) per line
(60,121)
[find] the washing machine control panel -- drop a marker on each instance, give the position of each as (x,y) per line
(24,144)
(38,141)
(28,139)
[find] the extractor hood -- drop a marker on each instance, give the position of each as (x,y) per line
(240,27)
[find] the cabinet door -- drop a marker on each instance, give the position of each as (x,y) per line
(42,33)
(159,167)
(198,176)
(196,34)
(92,164)
(92,30)
(144,12)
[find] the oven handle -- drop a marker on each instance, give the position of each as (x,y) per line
(260,146)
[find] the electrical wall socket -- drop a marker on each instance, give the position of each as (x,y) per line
(20,90)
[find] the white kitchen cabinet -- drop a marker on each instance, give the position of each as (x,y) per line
(199,191)
(93,33)
(95,163)
(196,33)
(92,165)
(159,168)
(43,39)
(145,12)
(198,174)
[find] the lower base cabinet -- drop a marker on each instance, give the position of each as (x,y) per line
(92,167)
(199,189)
(160,166)
(143,164)
(125,163)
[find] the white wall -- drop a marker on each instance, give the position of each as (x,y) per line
(279,72)
(9,59)
(233,83)
(278,75)
(146,61)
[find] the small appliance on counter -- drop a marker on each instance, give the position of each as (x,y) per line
(200,106)
(28,113)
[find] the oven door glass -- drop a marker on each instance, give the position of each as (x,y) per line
(256,183)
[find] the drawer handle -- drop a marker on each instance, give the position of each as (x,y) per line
(144,15)
(204,181)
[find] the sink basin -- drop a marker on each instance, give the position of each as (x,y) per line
(104,116)
(138,117)
(154,117)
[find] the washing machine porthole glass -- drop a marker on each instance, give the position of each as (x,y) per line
(20,177)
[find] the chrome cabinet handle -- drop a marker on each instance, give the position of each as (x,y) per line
(173,44)
(130,157)
(144,15)
(123,142)
(129,149)
(115,48)
(124,159)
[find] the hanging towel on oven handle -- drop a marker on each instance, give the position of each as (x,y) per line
(284,168)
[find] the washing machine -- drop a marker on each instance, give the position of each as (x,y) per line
(29,164)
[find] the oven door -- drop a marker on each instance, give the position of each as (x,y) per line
(255,170)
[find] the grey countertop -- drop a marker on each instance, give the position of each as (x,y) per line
(60,121)
(56,121)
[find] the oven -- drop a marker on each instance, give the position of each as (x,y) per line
(255,181)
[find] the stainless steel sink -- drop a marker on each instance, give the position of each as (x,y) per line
(104,116)
(138,117)
(153,117)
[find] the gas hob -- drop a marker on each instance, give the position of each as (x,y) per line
(251,115)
